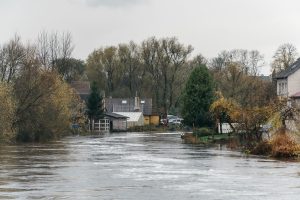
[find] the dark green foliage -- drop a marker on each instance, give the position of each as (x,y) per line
(70,69)
(94,104)
(197,97)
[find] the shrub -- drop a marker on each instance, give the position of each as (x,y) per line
(284,145)
(262,148)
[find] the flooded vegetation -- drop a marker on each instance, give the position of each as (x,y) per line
(141,166)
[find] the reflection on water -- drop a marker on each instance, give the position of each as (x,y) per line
(140,166)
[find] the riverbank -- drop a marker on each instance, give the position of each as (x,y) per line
(281,146)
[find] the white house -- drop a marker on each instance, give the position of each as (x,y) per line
(288,82)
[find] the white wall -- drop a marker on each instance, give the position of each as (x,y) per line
(294,83)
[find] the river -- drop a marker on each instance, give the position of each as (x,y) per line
(141,166)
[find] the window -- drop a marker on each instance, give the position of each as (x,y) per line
(124,102)
(279,89)
(285,88)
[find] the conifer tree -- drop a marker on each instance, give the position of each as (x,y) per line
(94,104)
(197,98)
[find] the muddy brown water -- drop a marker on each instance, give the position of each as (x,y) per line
(141,166)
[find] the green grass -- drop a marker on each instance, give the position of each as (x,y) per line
(217,137)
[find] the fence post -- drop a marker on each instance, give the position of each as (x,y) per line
(99,125)
(93,124)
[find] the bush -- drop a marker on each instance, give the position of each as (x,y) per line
(284,145)
(262,148)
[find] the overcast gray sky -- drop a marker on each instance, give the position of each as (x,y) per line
(208,25)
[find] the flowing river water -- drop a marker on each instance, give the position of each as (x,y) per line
(141,166)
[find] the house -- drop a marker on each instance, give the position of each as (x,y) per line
(288,81)
(132,105)
(133,111)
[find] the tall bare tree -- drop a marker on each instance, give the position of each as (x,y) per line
(150,60)
(130,60)
(11,59)
(53,47)
(172,57)
(284,56)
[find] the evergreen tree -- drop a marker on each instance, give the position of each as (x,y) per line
(197,98)
(94,104)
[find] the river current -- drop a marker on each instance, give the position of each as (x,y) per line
(141,166)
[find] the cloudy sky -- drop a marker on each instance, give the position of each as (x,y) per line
(208,25)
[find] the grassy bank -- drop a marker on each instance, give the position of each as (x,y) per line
(282,144)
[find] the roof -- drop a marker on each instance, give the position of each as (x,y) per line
(127,105)
(296,95)
(116,116)
(132,116)
(290,70)
(81,87)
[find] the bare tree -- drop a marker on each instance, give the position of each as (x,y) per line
(149,54)
(53,47)
(172,56)
(248,61)
(130,60)
(11,58)
(284,56)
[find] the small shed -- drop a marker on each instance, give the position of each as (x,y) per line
(117,122)
(133,118)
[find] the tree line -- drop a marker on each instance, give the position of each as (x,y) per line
(39,102)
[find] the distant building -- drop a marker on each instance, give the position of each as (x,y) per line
(122,112)
(288,82)
(82,88)
(133,118)
(132,105)
(117,122)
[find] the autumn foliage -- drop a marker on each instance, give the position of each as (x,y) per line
(50,108)
(7,112)
(36,102)
(245,121)
(284,145)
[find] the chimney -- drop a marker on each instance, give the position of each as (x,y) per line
(136,103)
